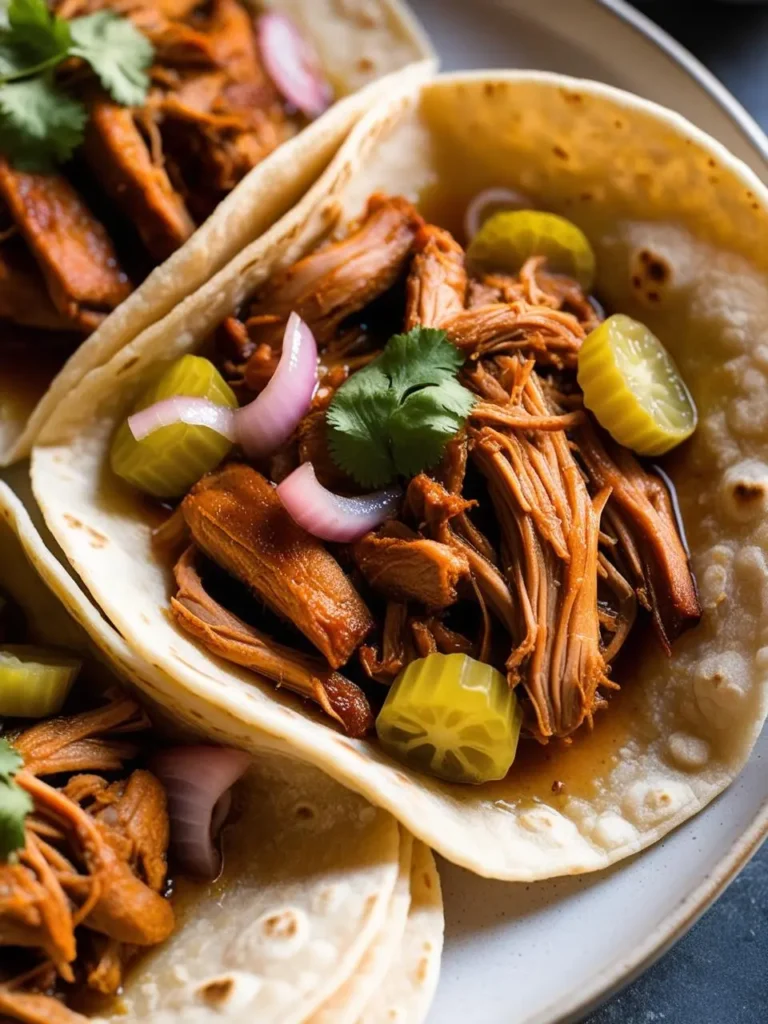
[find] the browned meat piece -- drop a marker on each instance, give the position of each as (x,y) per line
(237,519)
(394,653)
(550,532)
(405,567)
(118,154)
(127,910)
(216,128)
(423,638)
(337,280)
(551,337)
(71,247)
(77,744)
(83,865)
(229,26)
(437,282)
(120,905)
(136,810)
(24,299)
(641,515)
(210,152)
(36,914)
(32,1008)
(536,287)
(229,637)
(106,974)
(448,641)
(430,503)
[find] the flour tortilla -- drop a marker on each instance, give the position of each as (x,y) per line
(406,993)
(635,177)
(364,45)
(347,1003)
(314,877)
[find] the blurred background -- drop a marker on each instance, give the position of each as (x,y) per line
(731,38)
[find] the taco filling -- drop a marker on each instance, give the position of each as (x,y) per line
(92,814)
(417,484)
(154,113)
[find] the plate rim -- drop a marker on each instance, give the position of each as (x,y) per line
(617,975)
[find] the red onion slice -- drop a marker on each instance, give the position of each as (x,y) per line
(293,65)
(197,782)
(265,423)
(197,412)
(478,208)
(331,516)
(270,419)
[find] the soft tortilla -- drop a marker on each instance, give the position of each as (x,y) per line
(347,1003)
(363,44)
(408,988)
(311,877)
(280,932)
(636,177)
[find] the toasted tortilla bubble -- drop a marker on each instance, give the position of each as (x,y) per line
(678,227)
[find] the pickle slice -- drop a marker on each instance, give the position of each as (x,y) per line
(451,716)
(631,384)
(507,239)
(170,460)
(34,681)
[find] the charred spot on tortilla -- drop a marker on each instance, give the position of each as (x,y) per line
(217,992)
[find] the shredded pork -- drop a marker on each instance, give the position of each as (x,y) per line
(534,545)
(87,888)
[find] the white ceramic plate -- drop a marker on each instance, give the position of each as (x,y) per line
(545,953)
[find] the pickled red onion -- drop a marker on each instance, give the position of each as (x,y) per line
(489,197)
(331,516)
(197,781)
(265,423)
(292,64)
(197,412)
(270,419)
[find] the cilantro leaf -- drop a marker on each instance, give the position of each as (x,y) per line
(420,357)
(39,124)
(10,760)
(15,803)
(396,415)
(357,434)
(12,60)
(117,52)
(35,30)
(432,415)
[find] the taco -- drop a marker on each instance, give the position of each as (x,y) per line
(459,533)
(148,874)
(158,112)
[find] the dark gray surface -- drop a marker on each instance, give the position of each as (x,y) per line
(717,974)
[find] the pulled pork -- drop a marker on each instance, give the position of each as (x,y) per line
(534,544)
(87,888)
(212,114)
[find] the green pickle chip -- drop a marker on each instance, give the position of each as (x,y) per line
(171,459)
(507,239)
(34,681)
(451,716)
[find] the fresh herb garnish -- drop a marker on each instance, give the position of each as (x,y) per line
(15,803)
(395,416)
(40,125)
